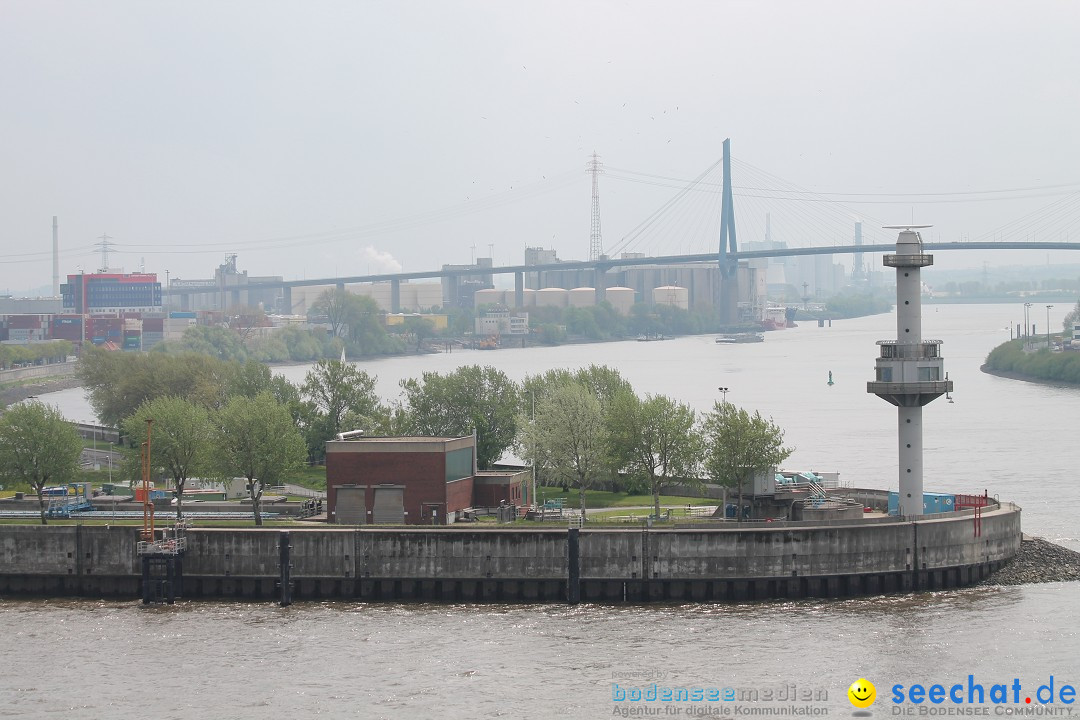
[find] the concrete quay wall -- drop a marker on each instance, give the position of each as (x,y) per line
(725,563)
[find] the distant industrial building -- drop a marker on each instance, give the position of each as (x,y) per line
(412,296)
(109,292)
(227,289)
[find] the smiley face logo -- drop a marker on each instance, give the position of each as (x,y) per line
(862,693)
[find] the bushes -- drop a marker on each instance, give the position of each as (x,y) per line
(1040,365)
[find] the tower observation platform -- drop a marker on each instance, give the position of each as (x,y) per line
(909,370)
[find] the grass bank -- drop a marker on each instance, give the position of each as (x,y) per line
(1010,360)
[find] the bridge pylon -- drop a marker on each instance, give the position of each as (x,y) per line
(727,303)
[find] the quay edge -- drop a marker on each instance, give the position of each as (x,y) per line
(728,562)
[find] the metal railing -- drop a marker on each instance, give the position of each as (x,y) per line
(926,350)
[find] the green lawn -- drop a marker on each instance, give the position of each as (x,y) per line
(313,477)
(607,498)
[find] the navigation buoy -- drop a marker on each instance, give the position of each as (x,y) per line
(831,383)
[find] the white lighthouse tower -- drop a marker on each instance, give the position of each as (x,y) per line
(910,370)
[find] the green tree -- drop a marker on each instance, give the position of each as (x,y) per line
(332,389)
(256,439)
(217,342)
(1073,316)
(38,446)
(738,445)
(253,378)
(567,439)
(468,398)
(654,438)
(181,438)
(337,305)
(119,383)
(604,382)
(420,328)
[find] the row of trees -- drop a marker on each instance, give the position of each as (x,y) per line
(34,354)
(250,437)
(581,428)
(590,426)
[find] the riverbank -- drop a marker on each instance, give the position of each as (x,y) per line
(1038,561)
(1012,375)
(24,389)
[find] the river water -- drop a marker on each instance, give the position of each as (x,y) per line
(87,659)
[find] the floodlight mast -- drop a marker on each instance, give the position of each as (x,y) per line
(148,505)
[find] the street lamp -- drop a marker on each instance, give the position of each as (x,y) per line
(1048,326)
(1027,318)
(724,392)
(532,435)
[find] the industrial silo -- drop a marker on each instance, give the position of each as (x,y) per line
(620,298)
(582,297)
(672,295)
(551,297)
(489,296)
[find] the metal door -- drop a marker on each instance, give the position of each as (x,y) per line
(350,508)
(389,506)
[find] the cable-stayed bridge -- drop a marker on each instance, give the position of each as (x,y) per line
(702,209)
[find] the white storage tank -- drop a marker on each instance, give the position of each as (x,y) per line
(551,297)
(489,296)
(582,297)
(672,295)
(620,298)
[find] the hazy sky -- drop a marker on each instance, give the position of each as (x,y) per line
(321,138)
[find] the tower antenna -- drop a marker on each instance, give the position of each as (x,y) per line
(596,244)
(55,258)
(104,245)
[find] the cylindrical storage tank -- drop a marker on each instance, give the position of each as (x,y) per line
(582,297)
(489,296)
(672,295)
(528,297)
(620,298)
(551,297)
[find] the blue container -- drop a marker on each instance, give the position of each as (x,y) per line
(181,314)
(932,503)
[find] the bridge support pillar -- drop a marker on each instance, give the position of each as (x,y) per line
(395,296)
(450,291)
(728,305)
(234,298)
(519,289)
(286,300)
(600,284)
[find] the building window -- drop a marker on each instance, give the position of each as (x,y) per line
(929,374)
(884,374)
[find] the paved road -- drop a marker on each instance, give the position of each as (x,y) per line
(91,457)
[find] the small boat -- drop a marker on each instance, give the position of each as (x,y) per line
(746,337)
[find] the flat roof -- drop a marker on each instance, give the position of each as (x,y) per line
(399,438)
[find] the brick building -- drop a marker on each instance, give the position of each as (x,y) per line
(399,480)
(491,488)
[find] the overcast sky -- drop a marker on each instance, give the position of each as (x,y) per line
(326,138)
